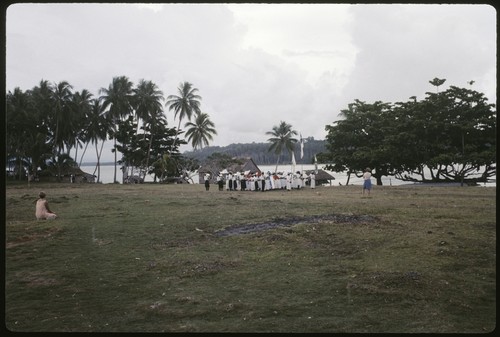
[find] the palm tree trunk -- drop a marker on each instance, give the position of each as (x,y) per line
(59,168)
(58,152)
(83,154)
(147,158)
(177,133)
(76,151)
(114,176)
(98,164)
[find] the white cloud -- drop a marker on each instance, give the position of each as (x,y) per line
(402,47)
(314,37)
(255,65)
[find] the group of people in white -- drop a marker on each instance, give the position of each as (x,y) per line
(260,181)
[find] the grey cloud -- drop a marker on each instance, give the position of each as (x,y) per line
(246,90)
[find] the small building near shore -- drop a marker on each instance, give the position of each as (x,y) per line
(246,165)
(68,174)
(321,177)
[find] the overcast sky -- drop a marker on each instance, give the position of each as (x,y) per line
(257,64)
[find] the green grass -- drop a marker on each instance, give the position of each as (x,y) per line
(144,258)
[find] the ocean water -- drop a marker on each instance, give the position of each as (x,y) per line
(107,172)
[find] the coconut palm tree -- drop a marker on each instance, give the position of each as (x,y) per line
(40,112)
(185,104)
(282,138)
(97,128)
(22,129)
(161,166)
(147,101)
(61,119)
(81,105)
(148,108)
(118,97)
(201,131)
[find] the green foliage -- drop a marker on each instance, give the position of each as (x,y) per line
(282,139)
(452,133)
(50,120)
(26,137)
(132,144)
(201,132)
(218,161)
(185,103)
(163,166)
(437,82)
(355,142)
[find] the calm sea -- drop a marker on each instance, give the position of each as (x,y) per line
(107,172)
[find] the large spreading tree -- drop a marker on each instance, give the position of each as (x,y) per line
(449,136)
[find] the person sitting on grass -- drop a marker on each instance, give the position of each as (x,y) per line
(43,211)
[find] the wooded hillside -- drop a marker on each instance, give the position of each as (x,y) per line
(260,153)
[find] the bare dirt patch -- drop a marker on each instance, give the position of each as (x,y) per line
(288,222)
(30,237)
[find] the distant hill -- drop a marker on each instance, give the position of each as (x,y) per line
(259,152)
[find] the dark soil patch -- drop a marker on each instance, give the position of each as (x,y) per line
(30,237)
(287,222)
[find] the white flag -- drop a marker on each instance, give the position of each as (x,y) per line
(301,147)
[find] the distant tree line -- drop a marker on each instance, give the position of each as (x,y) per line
(449,136)
(46,123)
(260,152)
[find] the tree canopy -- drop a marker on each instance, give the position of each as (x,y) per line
(49,121)
(282,139)
(448,136)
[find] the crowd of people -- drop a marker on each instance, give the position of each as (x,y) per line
(241,181)
(237,181)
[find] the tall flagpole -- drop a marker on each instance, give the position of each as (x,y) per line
(302,152)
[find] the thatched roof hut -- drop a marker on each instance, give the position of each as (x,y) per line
(322,177)
(241,165)
(67,173)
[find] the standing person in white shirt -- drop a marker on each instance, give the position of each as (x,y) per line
(229,184)
(367,182)
(312,176)
(289,179)
(236,180)
(220,182)
(243,181)
(207,181)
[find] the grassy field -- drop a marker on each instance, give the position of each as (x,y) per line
(148,258)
